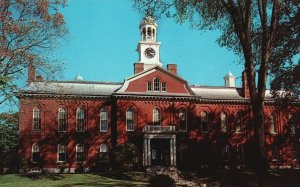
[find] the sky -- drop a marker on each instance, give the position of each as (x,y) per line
(103,37)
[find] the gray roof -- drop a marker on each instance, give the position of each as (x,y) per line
(90,88)
(223,93)
(73,87)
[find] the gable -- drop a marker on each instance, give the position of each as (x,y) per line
(173,83)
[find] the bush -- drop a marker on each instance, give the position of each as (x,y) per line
(103,162)
(162,180)
(125,157)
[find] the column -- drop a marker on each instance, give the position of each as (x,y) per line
(171,152)
(149,153)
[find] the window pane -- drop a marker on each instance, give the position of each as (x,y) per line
(103,148)
(204,122)
(103,121)
(62,120)
(80,120)
(130,119)
(272,124)
(36,119)
(61,153)
(223,122)
(156,117)
(149,86)
(182,120)
(156,84)
(238,122)
(163,87)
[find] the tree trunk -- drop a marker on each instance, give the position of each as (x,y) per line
(261,160)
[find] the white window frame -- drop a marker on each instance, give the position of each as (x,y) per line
(77,147)
(149,84)
(36,114)
(154,117)
(238,117)
(184,112)
(206,119)
(33,151)
(83,119)
(154,83)
(273,126)
(101,129)
(103,148)
(133,119)
(66,119)
(225,121)
(164,87)
(65,153)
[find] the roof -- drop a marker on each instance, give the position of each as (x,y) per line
(73,87)
(222,93)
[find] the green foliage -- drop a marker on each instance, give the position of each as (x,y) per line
(9,142)
(125,157)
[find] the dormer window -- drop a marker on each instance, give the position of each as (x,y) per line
(156,84)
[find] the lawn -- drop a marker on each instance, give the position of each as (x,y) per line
(65,180)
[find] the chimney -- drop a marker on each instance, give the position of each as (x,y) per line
(31,74)
(138,67)
(245,85)
(39,78)
(172,68)
(229,80)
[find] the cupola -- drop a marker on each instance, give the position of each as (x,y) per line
(148,28)
(229,80)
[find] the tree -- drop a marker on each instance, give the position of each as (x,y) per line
(264,33)
(29,31)
(9,141)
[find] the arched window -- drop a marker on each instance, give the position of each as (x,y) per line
(79,153)
(130,120)
(272,123)
(292,124)
(156,116)
(182,119)
(36,126)
(204,122)
(224,122)
(103,148)
(156,84)
(149,33)
(80,120)
(61,151)
(103,121)
(62,120)
(238,122)
(144,34)
(35,157)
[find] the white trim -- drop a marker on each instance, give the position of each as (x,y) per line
(159,84)
(35,144)
(65,152)
(104,110)
(133,119)
(159,116)
(79,152)
(101,148)
(84,119)
(66,118)
(39,117)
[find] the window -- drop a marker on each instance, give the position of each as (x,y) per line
(62,120)
(79,153)
(163,87)
(36,126)
(103,148)
(226,153)
(156,84)
(273,129)
(275,153)
(61,150)
(129,120)
(238,122)
(80,121)
(103,121)
(223,127)
(204,122)
(149,86)
(182,120)
(156,116)
(35,157)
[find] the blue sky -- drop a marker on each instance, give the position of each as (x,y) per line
(104,35)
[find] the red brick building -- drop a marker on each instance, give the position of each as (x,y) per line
(171,122)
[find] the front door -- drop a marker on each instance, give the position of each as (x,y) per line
(160,152)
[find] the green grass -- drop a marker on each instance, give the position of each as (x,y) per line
(65,180)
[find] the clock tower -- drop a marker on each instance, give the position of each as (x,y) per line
(148,47)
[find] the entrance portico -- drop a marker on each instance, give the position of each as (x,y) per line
(159,147)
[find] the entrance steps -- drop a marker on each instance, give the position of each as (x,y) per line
(173,173)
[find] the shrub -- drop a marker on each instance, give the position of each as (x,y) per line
(162,180)
(125,157)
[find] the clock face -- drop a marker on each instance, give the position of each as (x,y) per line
(149,52)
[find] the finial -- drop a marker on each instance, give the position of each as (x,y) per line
(79,78)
